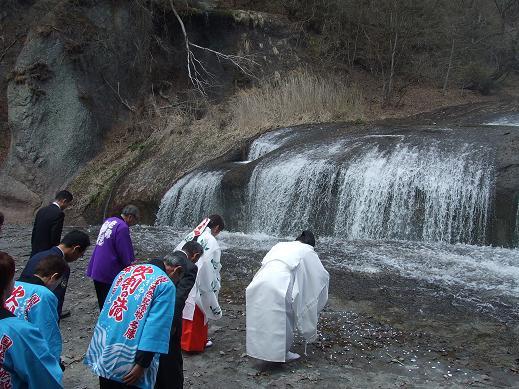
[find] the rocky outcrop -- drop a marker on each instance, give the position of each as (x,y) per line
(72,82)
(83,76)
(143,171)
(505,228)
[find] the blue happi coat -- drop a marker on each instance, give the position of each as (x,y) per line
(25,360)
(136,315)
(39,306)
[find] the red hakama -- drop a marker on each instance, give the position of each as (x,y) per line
(194,333)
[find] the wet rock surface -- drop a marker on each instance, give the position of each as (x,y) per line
(379,330)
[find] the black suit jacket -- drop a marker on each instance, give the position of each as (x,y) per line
(48,225)
(183,288)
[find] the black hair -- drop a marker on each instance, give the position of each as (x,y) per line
(50,265)
(76,238)
(6,271)
(174,261)
(192,247)
(131,210)
(216,220)
(1,218)
(64,195)
(307,237)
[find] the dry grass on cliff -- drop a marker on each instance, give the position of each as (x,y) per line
(300,97)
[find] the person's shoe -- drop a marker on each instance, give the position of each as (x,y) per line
(64,314)
(292,356)
(209,344)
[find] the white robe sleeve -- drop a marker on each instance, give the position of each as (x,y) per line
(309,295)
(208,282)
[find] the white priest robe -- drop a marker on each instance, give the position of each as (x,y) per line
(287,293)
(207,285)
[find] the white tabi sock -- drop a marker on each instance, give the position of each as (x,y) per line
(292,356)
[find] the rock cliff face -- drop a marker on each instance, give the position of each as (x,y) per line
(77,67)
(143,170)
(80,80)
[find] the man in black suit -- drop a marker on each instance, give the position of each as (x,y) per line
(171,373)
(48,224)
(71,248)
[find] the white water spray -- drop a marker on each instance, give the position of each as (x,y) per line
(193,197)
(402,192)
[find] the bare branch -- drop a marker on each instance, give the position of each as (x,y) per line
(7,49)
(236,60)
(116,92)
(196,71)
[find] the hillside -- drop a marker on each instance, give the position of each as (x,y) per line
(102,98)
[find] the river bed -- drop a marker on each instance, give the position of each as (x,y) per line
(400,314)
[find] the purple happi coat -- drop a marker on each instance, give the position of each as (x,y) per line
(113,251)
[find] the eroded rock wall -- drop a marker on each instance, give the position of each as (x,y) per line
(77,75)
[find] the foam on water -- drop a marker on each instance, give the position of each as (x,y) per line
(494,270)
(480,273)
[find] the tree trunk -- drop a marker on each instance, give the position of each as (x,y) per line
(389,88)
(446,80)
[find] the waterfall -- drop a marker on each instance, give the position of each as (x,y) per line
(397,192)
(377,186)
(286,196)
(193,197)
(273,140)
(516,229)
(415,193)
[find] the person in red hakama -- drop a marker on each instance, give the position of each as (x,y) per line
(202,302)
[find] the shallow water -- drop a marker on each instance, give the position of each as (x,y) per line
(506,120)
(479,278)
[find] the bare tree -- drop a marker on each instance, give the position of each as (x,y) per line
(198,74)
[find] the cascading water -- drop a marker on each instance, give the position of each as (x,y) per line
(273,140)
(263,145)
(516,230)
(193,197)
(431,187)
(287,195)
(401,192)
(415,193)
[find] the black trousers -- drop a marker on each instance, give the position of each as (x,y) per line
(102,291)
(171,367)
(105,383)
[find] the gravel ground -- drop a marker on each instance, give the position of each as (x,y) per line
(376,332)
